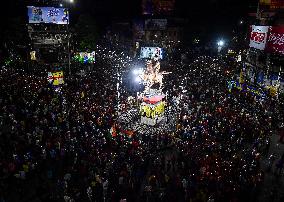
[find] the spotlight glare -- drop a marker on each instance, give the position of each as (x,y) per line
(138,79)
(137,71)
(220,43)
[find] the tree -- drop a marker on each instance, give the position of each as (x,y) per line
(86,33)
(15,40)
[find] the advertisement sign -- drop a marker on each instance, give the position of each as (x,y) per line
(258,37)
(264,2)
(275,42)
(277,4)
(50,15)
(272,4)
(33,55)
(156,24)
(151,52)
(85,57)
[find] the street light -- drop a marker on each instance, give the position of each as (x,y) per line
(70,1)
(220,43)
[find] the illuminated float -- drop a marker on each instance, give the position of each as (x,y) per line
(152,99)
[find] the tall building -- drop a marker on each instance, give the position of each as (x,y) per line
(266,47)
(48,29)
(159,27)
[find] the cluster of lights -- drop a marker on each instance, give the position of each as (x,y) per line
(220,43)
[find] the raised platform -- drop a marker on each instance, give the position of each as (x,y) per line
(150,121)
(166,124)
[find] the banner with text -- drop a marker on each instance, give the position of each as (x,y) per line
(151,52)
(49,15)
(258,37)
(275,42)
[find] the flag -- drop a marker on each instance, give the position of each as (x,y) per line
(113,131)
(129,133)
(242,79)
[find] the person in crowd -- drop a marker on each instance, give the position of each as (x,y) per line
(56,145)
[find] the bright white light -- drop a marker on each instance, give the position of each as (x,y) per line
(71,1)
(137,71)
(60,5)
(220,43)
(138,79)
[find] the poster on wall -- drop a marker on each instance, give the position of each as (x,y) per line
(271,4)
(275,42)
(151,52)
(258,37)
(49,15)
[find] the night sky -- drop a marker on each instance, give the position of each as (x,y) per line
(205,9)
(218,14)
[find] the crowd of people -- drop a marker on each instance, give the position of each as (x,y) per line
(221,137)
(60,145)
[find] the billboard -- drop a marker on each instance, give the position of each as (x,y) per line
(275,42)
(85,57)
(156,24)
(33,55)
(271,4)
(49,15)
(258,37)
(151,52)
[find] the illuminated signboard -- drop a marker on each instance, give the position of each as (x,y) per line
(85,57)
(258,37)
(275,42)
(49,15)
(151,52)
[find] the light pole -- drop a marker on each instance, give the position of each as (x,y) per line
(69,56)
(69,36)
(118,88)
